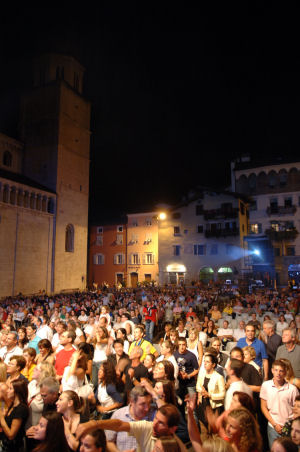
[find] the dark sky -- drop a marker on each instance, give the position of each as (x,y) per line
(175,93)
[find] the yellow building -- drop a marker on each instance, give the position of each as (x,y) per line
(54,128)
(142,248)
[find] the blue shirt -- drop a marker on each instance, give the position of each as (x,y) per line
(34,343)
(259,348)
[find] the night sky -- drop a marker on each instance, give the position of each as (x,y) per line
(176,94)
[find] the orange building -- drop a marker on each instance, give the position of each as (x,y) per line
(107,254)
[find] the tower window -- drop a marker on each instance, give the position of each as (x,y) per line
(69,243)
(7,159)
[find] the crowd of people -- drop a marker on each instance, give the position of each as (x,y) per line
(151,369)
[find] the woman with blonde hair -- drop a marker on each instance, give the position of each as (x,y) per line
(194,345)
(166,444)
(249,357)
(242,431)
(35,401)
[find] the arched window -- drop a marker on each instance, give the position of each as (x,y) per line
(7,159)
(69,245)
(252,181)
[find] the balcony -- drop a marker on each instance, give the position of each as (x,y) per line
(281,210)
(280,236)
(220,214)
(217,233)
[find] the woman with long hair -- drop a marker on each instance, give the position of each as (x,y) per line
(122,334)
(164,370)
(242,431)
(290,375)
(51,434)
(22,337)
(166,444)
(71,408)
(194,345)
(108,398)
(210,331)
(30,355)
(46,352)
(75,374)
(13,419)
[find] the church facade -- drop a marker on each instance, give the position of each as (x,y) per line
(44,184)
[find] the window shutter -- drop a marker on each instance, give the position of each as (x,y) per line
(115,258)
(259,228)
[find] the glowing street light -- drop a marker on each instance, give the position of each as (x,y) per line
(256,252)
(162,216)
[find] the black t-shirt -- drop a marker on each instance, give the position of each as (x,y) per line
(139,372)
(19,412)
(250,375)
(189,362)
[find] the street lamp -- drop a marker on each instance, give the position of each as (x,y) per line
(162,216)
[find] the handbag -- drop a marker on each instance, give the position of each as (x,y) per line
(86,389)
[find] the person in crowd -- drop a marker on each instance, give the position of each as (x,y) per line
(74,376)
(225,333)
(14,368)
(63,357)
(283,444)
(194,345)
(277,399)
(211,331)
(135,369)
(22,337)
(121,334)
(139,341)
(249,357)
(32,337)
(286,429)
(11,348)
(29,355)
(167,353)
(70,406)
(50,433)
(239,332)
(46,352)
(174,337)
(35,399)
(149,363)
(290,376)
(138,409)
(150,317)
(108,396)
(43,329)
(281,325)
(188,369)
(215,313)
(94,441)
(290,350)
(181,329)
(99,339)
(60,327)
(259,347)
(235,381)
(13,421)
(295,432)
(222,357)
(272,342)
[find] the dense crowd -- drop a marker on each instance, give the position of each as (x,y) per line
(151,369)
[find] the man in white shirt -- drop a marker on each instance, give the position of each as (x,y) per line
(236,383)
(239,332)
(11,348)
(225,334)
(43,330)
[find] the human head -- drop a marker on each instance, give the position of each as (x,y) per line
(16,364)
(242,430)
(166,390)
(249,354)
(49,390)
(289,336)
(149,360)
(284,444)
(29,354)
(210,362)
(43,370)
(295,431)
(182,345)
(216,444)
(107,373)
(45,346)
(296,407)
(68,400)
(139,401)
(166,347)
(138,333)
(216,344)
(18,388)
(237,353)
(31,330)
(250,331)
(241,399)
(166,444)
(67,337)
(50,430)
(94,441)
(235,367)
(11,339)
(278,371)
(166,420)
(269,327)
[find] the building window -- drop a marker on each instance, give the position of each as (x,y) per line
(214,249)
(148,277)
(277,252)
(290,251)
(7,159)
(134,259)
(99,240)
(253,205)
(148,238)
(99,259)
(99,229)
(275,226)
(199,250)
(199,210)
(135,223)
(176,230)
(148,258)
(119,239)
(176,250)
(119,228)
(255,228)
(282,177)
(148,222)
(288,202)
(200,228)
(274,205)
(69,240)
(134,238)
(119,259)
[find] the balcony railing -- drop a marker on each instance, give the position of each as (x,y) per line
(216,214)
(222,233)
(281,210)
(279,236)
